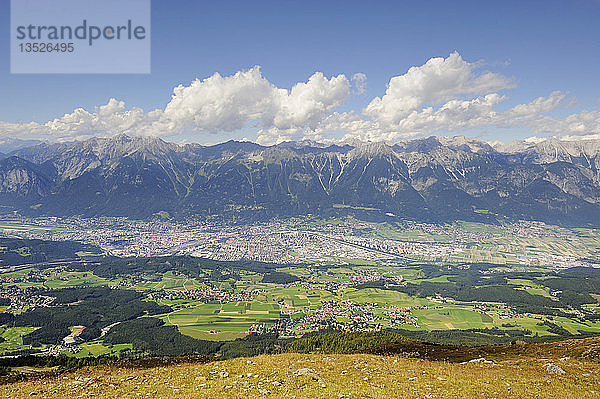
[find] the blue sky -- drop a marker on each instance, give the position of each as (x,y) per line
(544,46)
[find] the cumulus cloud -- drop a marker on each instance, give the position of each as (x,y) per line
(307,103)
(541,104)
(444,95)
(228,103)
(214,104)
(579,124)
(438,80)
(218,102)
(448,95)
(452,116)
(274,135)
(105,121)
(360,82)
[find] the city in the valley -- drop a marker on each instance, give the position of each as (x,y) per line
(218,281)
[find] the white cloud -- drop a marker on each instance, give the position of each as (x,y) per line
(214,104)
(438,80)
(540,104)
(307,103)
(219,103)
(451,117)
(445,95)
(360,82)
(107,120)
(228,103)
(579,124)
(275,136)
(581,138)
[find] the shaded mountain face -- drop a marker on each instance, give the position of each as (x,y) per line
(432,179)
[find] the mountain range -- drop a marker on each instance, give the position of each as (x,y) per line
(430,179)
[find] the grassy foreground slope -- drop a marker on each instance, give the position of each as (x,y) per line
(502,375)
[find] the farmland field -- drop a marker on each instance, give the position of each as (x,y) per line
(507,298)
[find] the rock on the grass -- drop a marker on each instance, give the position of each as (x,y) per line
(304,371)
(310,372)
(552,368)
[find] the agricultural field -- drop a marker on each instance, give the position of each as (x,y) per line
(521,242)
(301,304)
(222,321)
(219,321)
(10,227)
(52,279)
(13,338)
(168,281)
(183,298)
(97,348)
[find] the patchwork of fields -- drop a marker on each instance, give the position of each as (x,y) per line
(497,284)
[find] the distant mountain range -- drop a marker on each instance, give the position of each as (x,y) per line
(8,144)
(431,179)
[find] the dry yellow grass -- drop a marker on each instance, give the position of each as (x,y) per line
(343,376)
